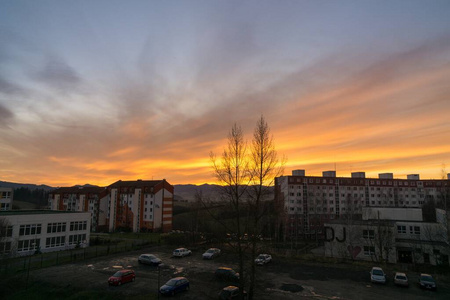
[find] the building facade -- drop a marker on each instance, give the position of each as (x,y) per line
(390,234)
(81,198)
(142,205)
(6,198)
(26,231)
(307,202)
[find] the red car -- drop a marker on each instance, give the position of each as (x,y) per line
(121,276)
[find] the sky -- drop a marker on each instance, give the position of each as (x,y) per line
(98,91)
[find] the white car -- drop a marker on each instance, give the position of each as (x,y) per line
(181,252)
(401,279)
(377,275)
(263,259)
(211,253)
(149,259)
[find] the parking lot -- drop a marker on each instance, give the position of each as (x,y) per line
(281,279)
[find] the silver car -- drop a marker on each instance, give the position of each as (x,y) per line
(181,252)
(211,253)
(149,259)
(401,279)
(377,275)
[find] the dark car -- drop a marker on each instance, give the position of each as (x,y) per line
(226,274)
(230,292)
(426,281)
(174,285)
(121,276)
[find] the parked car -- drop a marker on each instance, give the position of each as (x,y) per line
(175,285)
(401,279)
(181,252)
(211,253)
(377,275)
(426,281)
(149,259)
(231,292)
(121,276)
(263,259)
(226,274)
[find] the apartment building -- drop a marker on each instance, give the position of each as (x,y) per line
(390,234)
(142,205)
(28,231)
(6,197)
(307,202)
(92,199)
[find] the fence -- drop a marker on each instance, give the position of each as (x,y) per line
(25,263)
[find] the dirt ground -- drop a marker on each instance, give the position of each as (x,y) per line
(281,279)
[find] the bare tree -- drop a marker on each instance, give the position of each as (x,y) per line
(233,172)
(350,216)
(264,167)
(246,175)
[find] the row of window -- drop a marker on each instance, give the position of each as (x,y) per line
(4,206)
(56,227)
(5,195)
(76,239)
(78,225)
(33,229)
(30,229)
(56,241)
(27,245)
(412,229)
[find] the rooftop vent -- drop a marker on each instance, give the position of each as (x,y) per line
(298,172)
(386,176)
(358,174)
(329,173)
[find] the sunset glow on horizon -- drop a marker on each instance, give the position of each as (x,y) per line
(95,92)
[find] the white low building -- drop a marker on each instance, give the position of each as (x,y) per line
(26,231)
(390,234)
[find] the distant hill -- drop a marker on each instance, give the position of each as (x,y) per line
(25,185)
(183,192)
(187,192)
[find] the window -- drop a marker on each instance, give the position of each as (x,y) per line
(31,229)
(26,245)
(78,225)
(5,247)
(368,234)
(76,238)
(8,232)
(56,241)
(401,229)
(56,227)
(369,250)
(414,230)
